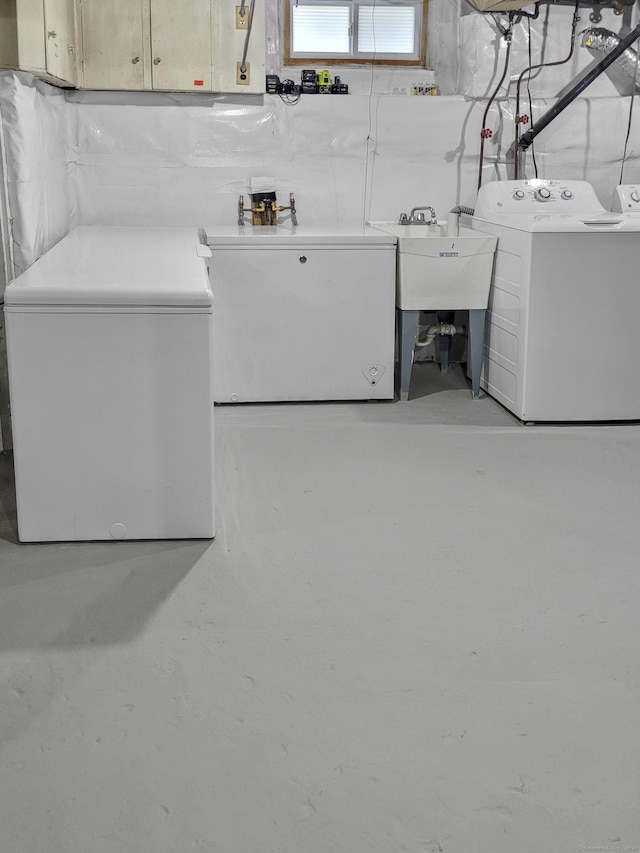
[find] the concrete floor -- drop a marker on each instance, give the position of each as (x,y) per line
(417,630)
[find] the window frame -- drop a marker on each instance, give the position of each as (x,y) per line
(328,59)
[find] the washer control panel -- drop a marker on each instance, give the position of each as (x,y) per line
(543,194)
(626,198)
(534,195)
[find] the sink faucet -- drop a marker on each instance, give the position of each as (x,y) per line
(413,219)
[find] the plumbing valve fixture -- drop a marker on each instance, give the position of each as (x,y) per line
(264,208)
(416,218)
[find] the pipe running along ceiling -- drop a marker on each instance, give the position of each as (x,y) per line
(500,5)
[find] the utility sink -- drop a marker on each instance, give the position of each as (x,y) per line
(439,273)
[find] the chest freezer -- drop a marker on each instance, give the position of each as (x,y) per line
(109,345)
(302,314)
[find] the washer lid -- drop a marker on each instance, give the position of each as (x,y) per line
(117,266)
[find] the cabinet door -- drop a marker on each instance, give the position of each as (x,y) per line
(181,45)
(60,40)
(112,44)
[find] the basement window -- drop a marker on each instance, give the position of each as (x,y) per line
(392,32)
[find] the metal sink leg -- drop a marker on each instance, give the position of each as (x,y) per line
(407,334)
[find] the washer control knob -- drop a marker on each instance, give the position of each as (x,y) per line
(567,194)
(543,194)
(518,195)
(635,195)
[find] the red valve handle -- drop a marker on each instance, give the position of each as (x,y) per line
(486,133)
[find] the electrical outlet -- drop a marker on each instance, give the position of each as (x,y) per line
(243,78)
(242,21)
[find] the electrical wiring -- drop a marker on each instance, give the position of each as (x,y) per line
(288,94)
(515,150)
(369,138)
(527,73)
(289,100)
(626,142)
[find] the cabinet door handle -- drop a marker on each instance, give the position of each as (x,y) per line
(157,60)
(135,60)
(303,259)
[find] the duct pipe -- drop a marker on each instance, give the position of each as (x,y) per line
(580,86)
(599,40)
(500,5)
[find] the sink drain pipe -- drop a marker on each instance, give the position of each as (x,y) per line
(453,219)
(439,329)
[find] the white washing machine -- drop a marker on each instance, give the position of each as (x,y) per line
(626,199)
(109,344)
(302,314)
(564,306)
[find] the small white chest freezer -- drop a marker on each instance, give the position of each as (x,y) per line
(109,344)
(303,314)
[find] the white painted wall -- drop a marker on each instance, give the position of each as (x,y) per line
(346,158)
(35,148)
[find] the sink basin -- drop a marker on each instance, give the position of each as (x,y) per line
(439,273)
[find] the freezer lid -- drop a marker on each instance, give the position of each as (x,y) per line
(279,237)
(118,266)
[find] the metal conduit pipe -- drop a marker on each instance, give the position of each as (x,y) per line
(243,64)
(580,86)
(519,118)
(507,34)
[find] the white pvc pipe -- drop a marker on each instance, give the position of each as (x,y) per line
(439,329)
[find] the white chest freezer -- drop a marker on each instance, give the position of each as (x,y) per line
(109,344)
(302,314)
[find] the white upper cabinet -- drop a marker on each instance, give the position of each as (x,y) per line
(59,46)
(114,46)
(166,45)
(190,46)
(39,36)
(181,45)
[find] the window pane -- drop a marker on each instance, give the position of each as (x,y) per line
(386,29)
(321,29)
